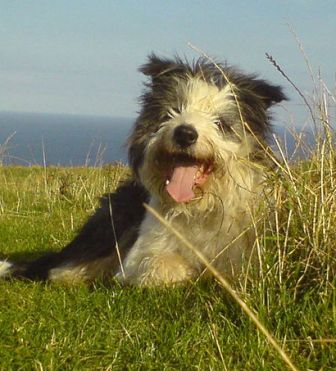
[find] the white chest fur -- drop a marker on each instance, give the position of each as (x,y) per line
(223,236)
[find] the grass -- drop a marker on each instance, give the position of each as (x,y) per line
(196,326)
(44,326)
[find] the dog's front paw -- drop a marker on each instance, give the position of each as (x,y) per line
(165,269)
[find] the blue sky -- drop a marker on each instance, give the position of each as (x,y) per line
(81,57)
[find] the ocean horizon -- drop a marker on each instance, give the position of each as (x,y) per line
(61,139)
(29,139)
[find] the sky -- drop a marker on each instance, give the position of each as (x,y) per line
(81,56)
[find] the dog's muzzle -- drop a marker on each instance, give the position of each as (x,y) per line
(183,169)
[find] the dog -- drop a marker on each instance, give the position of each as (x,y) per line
(198,155)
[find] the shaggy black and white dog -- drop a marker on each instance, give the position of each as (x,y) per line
(197,153)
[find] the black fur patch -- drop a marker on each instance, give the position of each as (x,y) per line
(119,212)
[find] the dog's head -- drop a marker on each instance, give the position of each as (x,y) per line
(194,119)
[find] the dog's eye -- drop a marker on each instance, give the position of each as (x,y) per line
(165,118)
(170,114)
(222,124)
(155,129)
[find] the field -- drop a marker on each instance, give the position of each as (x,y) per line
(197,326)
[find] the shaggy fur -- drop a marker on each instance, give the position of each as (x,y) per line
(197,152)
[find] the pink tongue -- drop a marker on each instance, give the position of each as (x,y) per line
(181,183)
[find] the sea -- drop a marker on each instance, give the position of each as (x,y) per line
(30,139)
(60,139)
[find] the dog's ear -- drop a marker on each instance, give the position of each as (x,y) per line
(157,67)
(268,93)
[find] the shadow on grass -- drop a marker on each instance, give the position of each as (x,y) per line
(26,256)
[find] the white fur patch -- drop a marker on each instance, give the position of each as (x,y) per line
(5,268)
(68,274)
(72,273)
(203,97)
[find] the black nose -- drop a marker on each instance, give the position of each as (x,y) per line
(185,135)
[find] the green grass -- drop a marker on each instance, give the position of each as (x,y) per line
(197,326)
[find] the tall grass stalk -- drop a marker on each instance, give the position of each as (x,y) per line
(225,283)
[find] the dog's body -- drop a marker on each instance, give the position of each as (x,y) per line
(198,157)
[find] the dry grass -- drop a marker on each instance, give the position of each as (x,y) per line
(293,299)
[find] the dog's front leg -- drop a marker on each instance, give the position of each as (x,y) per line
(154,265)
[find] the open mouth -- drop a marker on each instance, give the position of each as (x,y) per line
(184,175)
